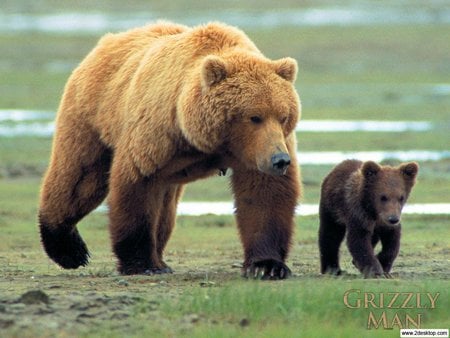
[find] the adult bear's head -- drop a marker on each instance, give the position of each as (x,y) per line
(244,104)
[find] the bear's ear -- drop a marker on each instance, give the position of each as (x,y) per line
(214,70)
(370,169)
(409,170)
(287,69)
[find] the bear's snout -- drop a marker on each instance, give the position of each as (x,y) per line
(393,219)
(280,163)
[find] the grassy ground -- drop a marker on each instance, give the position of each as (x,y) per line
(382,72)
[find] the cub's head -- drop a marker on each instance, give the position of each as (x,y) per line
(386,189)
(245,105)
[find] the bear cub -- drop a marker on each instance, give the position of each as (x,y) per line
(364,200)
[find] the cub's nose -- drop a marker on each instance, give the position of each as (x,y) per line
(280,162)
(393,219)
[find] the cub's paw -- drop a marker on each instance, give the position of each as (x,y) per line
(333,271)
(373,272)
(267,269)
(388,275)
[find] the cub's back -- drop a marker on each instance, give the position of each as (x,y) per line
(333,195)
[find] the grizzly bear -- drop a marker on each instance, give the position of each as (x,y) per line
(365,200)
(154,108)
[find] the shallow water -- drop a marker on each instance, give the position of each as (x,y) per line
(366,126)
(46,129)
(345,15)
(18,115)
(335,157)
(227,208)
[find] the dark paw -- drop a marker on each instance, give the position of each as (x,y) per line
(373,272)
(138,267)
(158,271)
(334,271)
(65,247)
(388,275)
(267,269)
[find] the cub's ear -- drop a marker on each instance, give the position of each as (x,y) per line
(409,170)
(370,169)
(214,70)
(286,68)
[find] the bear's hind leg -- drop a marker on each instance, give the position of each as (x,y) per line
(75,184)
(135,204)
(331,235)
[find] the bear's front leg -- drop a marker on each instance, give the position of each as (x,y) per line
(359,242)
(135,203)
(265,209)
(390,241)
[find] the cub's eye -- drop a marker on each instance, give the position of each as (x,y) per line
(401,199)
(256,119)
(383,198)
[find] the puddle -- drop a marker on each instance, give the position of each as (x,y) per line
(366,126)
(18,115)
(29,129)
(45,129)
(17,123)
(227,208)
(93,22)
(442,89)
(335,157)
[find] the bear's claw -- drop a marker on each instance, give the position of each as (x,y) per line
(267,269)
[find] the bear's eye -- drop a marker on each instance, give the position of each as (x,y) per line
(401,199)
(256,119)
(383,198)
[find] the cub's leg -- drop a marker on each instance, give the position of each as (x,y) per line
(390,241)
(135,203)
(331,235)
(265,209)
(76,182)
(359,242)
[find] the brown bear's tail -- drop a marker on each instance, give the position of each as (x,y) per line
(63,243)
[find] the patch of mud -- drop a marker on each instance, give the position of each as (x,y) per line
(22,170)
(37,311)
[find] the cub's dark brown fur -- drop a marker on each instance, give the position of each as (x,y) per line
(365,200)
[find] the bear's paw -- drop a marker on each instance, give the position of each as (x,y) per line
(267,269)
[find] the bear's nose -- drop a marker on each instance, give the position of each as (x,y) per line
(393,219)
(280,162)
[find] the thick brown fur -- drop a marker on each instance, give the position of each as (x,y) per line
(364,200)
(156,107)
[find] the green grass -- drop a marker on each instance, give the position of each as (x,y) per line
(207,298)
